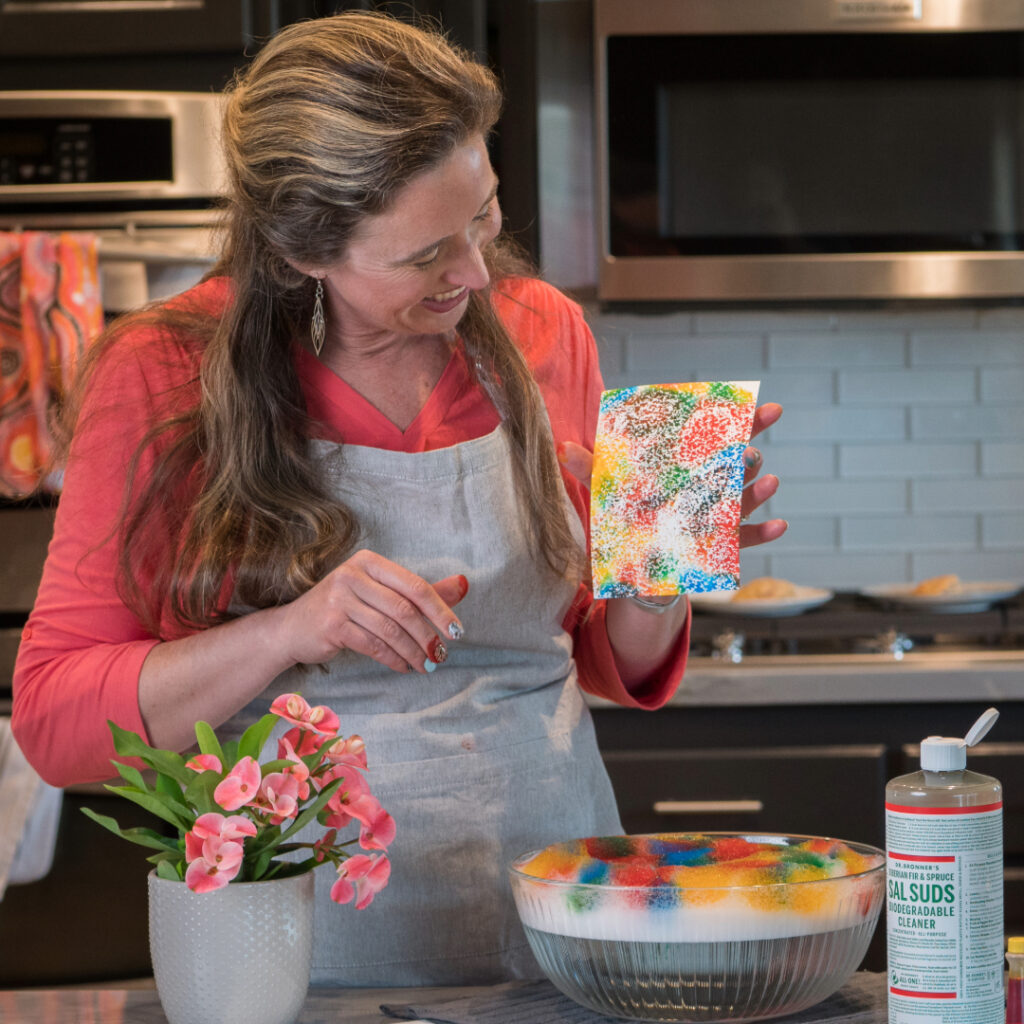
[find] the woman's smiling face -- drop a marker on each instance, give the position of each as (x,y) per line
(410,269)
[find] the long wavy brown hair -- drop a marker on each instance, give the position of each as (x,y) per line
(327,123)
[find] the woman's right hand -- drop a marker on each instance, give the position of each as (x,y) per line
(375,607)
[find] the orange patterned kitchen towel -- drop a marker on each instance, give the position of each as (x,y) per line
(50,311)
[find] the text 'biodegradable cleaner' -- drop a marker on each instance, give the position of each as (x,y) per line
(944,854)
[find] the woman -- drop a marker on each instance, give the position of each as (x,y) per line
(338,451)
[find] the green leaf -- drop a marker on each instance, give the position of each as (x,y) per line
(208,742)
(255,737)
(141,836)
(199,793)
(230,754)
(131,775)
(169,787)
(267,837)
(172,857)
(155,841)
(313,760)
(260,864)
(157,805)
(165,869)
(130,744)
(288,868)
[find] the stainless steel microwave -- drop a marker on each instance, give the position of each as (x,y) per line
(809,149)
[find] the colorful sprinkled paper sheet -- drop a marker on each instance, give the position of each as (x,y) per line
(666,487)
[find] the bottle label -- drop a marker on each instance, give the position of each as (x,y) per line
(945,914)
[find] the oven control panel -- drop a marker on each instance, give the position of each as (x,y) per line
(65,147)
(58,151)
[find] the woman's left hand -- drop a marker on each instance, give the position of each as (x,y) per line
(756,490)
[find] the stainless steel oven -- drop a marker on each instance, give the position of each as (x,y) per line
(141,170)
(810,149)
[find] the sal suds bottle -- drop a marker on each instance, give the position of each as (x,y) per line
(944,870)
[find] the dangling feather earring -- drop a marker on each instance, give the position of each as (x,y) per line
(317,328)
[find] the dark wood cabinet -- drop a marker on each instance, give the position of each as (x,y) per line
(803,790)
(120,27)
(87,919)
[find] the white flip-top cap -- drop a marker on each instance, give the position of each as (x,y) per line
(943,754)
(948,753)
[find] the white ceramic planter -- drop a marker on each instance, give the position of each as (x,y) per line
(240,955)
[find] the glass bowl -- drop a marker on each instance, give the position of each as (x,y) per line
(643,927)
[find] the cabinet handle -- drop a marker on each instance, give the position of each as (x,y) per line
(708,806)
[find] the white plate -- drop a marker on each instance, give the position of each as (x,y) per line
(972,597)
(720,602)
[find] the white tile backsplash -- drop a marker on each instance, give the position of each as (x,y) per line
(1002,384)
(839,497)
(799,461)
(993,494)
(908,533)
(798,387)
(910,461)
(840,422)
(967,348)
(864,348)
(992,421)
(902,387)
(1002,531)
(901,451)
(970,565)
(999,457)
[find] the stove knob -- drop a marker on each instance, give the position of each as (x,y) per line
(728,646)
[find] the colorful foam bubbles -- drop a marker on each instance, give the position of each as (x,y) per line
(659,871)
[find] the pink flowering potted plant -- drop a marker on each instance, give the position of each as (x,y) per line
(231,893)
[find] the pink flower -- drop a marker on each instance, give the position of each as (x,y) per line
(297,768)
(301,741)
(216,826)
(354,801)
(323,845)
(278,796)
(204,763)
(353,787)
(347,751)
(361,877)
(378,827)
(295,709)
(240,786)
(221,860)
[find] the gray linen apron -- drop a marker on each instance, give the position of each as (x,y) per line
(491,755)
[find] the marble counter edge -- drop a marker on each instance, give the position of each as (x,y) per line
(140,1005)
(726,685)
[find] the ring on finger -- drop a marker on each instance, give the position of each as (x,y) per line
(437,651)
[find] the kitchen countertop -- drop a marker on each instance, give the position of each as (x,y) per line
(141,1005)
(991,675)
(862,1000)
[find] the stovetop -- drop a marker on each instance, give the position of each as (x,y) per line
(852,623)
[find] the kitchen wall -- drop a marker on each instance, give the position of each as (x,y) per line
(901,451)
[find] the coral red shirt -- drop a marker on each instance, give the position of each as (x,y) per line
(82,649)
